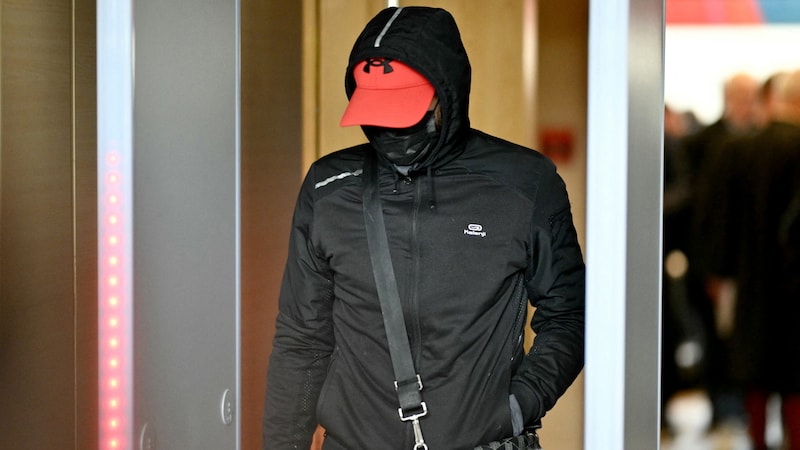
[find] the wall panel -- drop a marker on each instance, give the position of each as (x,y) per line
(271,133)
(47,220)
(85,221)
(185,221)
(561,104)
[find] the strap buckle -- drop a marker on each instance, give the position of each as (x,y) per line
(419,383)
(413,416)
(421,410)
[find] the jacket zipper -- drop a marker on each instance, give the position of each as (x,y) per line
(415,254)
(522,314)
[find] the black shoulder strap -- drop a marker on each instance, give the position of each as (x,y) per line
(407,381)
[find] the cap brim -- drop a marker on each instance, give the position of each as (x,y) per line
(391,108)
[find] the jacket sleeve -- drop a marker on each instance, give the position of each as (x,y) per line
(556,288)
(303,340)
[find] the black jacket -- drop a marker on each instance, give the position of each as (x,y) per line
(465,226)
(767,302)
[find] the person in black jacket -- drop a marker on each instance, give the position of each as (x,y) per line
(476,226)
(711,245)
(765,360)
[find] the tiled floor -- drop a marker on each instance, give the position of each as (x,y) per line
(689,417)
(723,438)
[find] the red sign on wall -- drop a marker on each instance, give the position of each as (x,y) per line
(557,144)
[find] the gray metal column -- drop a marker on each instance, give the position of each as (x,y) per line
(186,224)
(624,224)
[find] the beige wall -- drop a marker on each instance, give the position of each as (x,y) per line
(563,37)
(561,102)
(271,76)
(47,225)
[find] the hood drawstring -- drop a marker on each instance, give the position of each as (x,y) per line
(405,171)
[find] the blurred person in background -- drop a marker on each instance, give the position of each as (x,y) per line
(687,319)
(769,103)
(680,324)
(740,116)
(711,248)
(763,220)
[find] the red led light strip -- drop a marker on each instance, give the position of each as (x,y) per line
(114,309)
(114,224)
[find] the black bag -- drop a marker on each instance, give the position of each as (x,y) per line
(528,440)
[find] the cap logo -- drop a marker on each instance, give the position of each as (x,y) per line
(378,62)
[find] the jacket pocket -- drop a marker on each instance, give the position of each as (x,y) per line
(326,385)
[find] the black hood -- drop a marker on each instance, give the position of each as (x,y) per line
(428,40)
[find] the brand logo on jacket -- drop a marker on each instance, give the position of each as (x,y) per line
(475,229)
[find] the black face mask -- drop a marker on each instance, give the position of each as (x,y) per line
(405,146)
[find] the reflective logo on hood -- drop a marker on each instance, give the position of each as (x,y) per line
(475,229)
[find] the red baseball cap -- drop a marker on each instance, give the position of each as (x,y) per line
(388,94)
